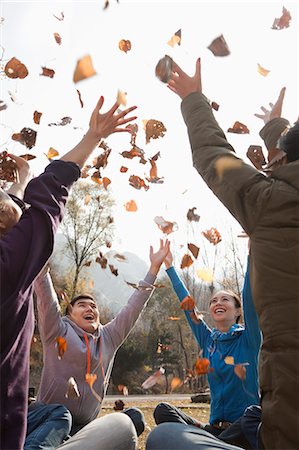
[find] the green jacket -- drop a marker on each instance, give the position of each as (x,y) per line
(268,210)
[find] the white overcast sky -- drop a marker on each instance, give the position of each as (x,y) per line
(232,81)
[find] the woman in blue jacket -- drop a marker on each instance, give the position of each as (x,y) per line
(230,395)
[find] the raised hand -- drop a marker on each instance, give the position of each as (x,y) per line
(158,257)
(24,176)
(168,261)
(275,109)
(182,84)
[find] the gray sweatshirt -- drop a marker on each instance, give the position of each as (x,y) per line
(105,341)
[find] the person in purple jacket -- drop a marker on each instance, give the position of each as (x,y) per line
(25,246)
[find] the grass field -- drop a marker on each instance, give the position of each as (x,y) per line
(199,411)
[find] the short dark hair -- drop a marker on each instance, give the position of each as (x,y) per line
(289,143)
(76,299)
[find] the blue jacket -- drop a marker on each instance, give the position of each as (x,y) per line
(230,396)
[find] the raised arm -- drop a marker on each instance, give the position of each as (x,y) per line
(119,328)
(200,330)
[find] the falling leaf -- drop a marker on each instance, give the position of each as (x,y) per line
(114,271)
(135,152)
(163,69)
(256,156)
(153,379)
(36,117)
(87,264)
(124,45)
(139,287)
(229,360)
(191,216)
(154,129)
(15,69)
(219,46)
(123,169)
(243,234)
(90,378)
(137,182)
(283,21)
(165,226)
(102,260)
(262,71)
(72,389)
(175,39)
(173,318)
(64,121)
(80,98)
(106,182)
(187,261)
(239,128)
(26,137)
(28,157)
(87,199)
(57,38)
(215,106)
(225,163)
(240,371)
(202,366)
(59,18)
(153,178)
(187,304)
(194,250)
(3,106)
(61,346)
(119,257)
(212,235)
(51,153)
(205,274)
(131,206)
(8,168)
(175,383)
(46,72)
(84,69)
(121,98)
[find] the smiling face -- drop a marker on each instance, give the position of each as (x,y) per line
(85,313)
(224,309)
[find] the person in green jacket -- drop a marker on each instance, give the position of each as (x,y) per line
(267,208)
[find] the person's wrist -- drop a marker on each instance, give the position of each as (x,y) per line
(154,268)
(93,136)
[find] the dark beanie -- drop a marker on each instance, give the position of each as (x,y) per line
(290,143)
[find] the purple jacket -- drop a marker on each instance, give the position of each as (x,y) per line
(24,250)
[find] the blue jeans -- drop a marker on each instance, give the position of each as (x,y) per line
(47,426)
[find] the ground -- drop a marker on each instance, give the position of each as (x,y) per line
(199,411)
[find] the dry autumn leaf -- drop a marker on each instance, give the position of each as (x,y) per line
(90,378)
(64,121)
(153,178)
(125,45)
(46,72)
(173,318)
(87,199)
(239,128)
(131,206)
(84,69)
(137,182)
(163,69)
(187,304)
(212,235)
(3,106)
(215,106)
(165,226)
(72,389)
(153,379)
(283,21)
(191,216)
(225,163)
(140,287)
(123,169)
(175,383)
(240,371)
(229,360)
(194,250)
(113,270)
(186,262)
(27,157)
(51,153)
(36,117)
(26,137)
(61,346)
(80,98)
(15,69)
(256,156)
(135,152)
(262,71)
(57,38)
(119,257)
(175,39)
(121,98)
(102,260)
(202,366)
(205,275)
(59,18)
(154,129)
(219,46)
(8,168)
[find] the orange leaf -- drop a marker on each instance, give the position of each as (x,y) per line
(90,378)
(212,235)
(229,360)
(187,261)
(131,206)
(47,72)
(239,128)
(175,39)
(154,129)
(124,45)
(175,383)
(173,318)
(106,182)
(262,71)
(256,156)
(187,304)
(202,366)
(123,169)
(61,346)
(52,153)
(84,69)
(240,371)
(194,250)
(138,182)
(15,69)
(36,117)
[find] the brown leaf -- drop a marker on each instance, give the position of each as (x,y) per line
(119,257)
(219,46)
(27,137)
(188,303)
(239,128)
(114,271)
(124,45)
(191,216)
(163,69)
(64,121)
(57,38)
(131,206)
(36,117)
(15,69)
(212,235)
(46,72)
(87,264)
(256,156)
(3,106)
(153,173)
(165,226)
(283,21)
(59,18)
(137,182)
(123,169)
(215,106)
(80,98)
(186,262)
(27,157)
(8,168)
(102,260)
(194,250)
(135,152)
(154,129)
(84,69)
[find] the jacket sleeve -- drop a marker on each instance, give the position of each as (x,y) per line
(243,190)
(119,328)
(50,323)
(252,330)
(25,249)
(200,331)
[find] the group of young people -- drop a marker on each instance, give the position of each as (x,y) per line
(255,412)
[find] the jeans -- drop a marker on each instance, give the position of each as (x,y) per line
(178,436)
(47,426)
